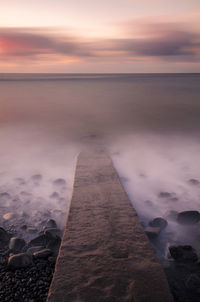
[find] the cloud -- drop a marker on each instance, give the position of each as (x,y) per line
(164,41)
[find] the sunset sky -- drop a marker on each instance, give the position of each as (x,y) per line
(99,36)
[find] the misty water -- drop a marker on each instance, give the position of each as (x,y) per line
(148,123)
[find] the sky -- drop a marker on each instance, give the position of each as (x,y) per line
(99,36)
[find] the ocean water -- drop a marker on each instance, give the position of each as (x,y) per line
(148,123)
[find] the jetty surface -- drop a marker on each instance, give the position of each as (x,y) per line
(105,255)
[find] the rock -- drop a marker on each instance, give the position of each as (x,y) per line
(183,253)
(16,244)
(188,217)
(53,232)
(32,250)
(36,177)
(193,282)
(9,215)
(31,230)
(20,180)
(19,260)
(54,195)
(165,195)
(152,232)
(4,236)
(38,241)
(50,224)
(42,254)
(23,227)
(194,181)
(59,182)
(5,195)
(158,222)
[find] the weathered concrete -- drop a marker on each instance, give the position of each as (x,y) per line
(105,255)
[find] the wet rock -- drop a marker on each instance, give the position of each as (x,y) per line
(158,222)
(165,195)
(183,253)
(9,216)
(4,236)
(31,230)
(59,182)
(16,244)
(19,260)
(194,181)
(193,282)
(50,224)
(36,177)
(152,232)
(5,195)
(42,254)
(53,232)
(54,195)
(188,217)
(53,244)
(38,241)
(34,249)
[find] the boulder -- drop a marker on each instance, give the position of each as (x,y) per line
(4,236)
(19,260)
(188,217)
(194,181)
(34,249)
(16,244)
(183,253)
(53,232)
(38,241)
(165,195)
(193,282)
(42,254)
(158,222)
(152,232)
(59,182)
(50,224)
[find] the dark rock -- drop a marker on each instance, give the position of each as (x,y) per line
(152,232)
(50,224)
(54,244)
(36,177)
(165,195)
(42,254)
(31,230)
(193,282)
(188,217)
(5,195)
(59,182)
(19,260)
(16,244)
(38,241)
(183,253)
(24,227)
(4,236)
(158,222)
(32,250)
(54,195)
(53,232)
(194,181)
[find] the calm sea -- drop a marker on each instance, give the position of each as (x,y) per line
(149,123)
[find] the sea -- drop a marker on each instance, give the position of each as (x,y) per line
(148,123)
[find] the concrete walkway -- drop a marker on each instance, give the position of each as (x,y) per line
(105,255)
